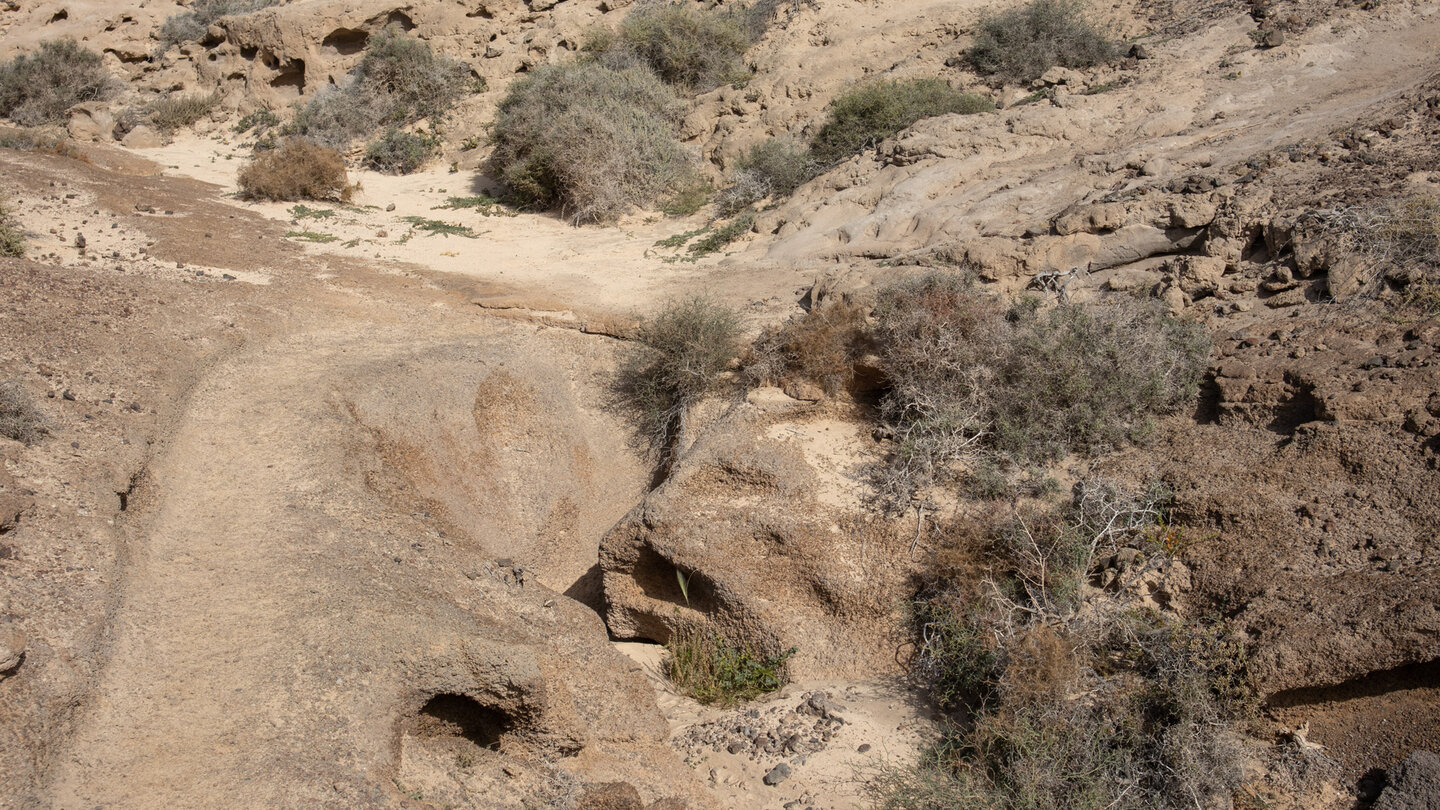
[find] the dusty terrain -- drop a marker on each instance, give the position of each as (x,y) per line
(356,523)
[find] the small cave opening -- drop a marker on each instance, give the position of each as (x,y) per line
(291,78)
(346,41)
(62,14)
(450,715)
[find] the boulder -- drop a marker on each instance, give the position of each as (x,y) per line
(12,648)
(1414,784)
(142,137)
(91,121)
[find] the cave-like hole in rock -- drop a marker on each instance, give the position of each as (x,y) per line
(451,715)
(346,41)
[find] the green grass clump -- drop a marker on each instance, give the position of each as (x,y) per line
(306,212)
(258,121)
(312,236)
(435,226)
(482,204)
(1020,44)
(399,81)
(40,87)
(720,237)
(591,140)
(710,669)
(692,47)
(861,118)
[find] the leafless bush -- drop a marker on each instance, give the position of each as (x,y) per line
(40,87)
(590,139)
(20,420)
(1396,243)
(820,347)
(297,170)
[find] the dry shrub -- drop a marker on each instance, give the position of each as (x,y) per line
(12,236)
(1020,44)
(40,87)
(297,170)
(971,378)
(686,45)
(190,26)
(172,111)
(50,143)
(592,140)
(686,348)
(819,347)
(774,168)
(399,152)
(868,114)
(1396,242)
(399,81)
(20,420)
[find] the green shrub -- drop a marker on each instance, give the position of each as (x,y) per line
(20,420)
(969,378)
(258,121)
(399,81)
(774,168)
(592,140)
(686,348)
(686,45)
(172,112)
(296,170)
(40,87)
(862,117)
(190,26)
(708,668)
(12,236)
(399,152)
(1021,44)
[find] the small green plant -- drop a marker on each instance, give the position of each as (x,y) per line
(592,140)
(12,236)
(258,121)
(689,198)
(435,226)
(306,212)
(482,204)
(296,170)
(190,26)
(685,350)
(862,117)
(774,168)
(684,582)
(312,236)
(710,669)
(40,87)
(722,236)
(400,152)
(20,420)
(1020,44)
(172,111)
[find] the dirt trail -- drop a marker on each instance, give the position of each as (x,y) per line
(272,597)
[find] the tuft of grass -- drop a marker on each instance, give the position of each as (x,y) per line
(12,236)
(399,81)
(1020,44)
(20,420)
(862,117)
(192,25)
(296,170)
(591,140)
(172,112)
(482,204)
(712,670)
(400,152)
(684,351)
(692,47)
(435,226)
(259,121)
(27,140)
(40,87)
(312,236)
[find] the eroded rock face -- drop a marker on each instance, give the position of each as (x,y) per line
(744,520)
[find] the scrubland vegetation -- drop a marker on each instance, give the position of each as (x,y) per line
(190,26)
(1020,44)
(38,88)
(12,236)
(712,670)
(296,170)
(20,420)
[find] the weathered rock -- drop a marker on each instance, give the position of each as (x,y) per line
(777,774)
(142,137)
(1414,784)
(91,121)
(12,648)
